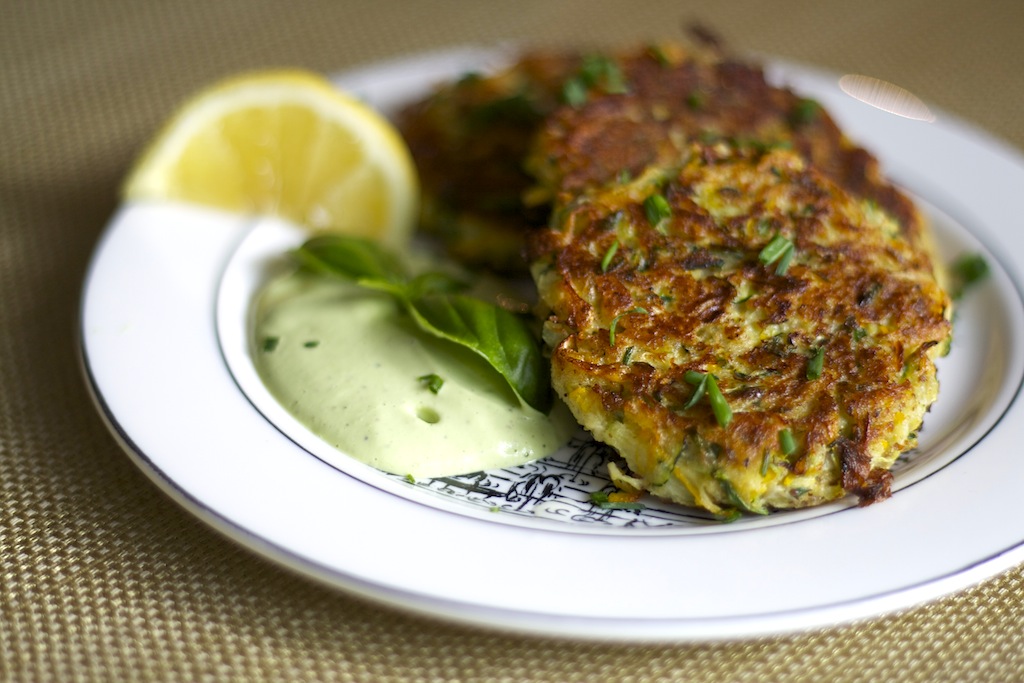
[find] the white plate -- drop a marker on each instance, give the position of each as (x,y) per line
(165,348)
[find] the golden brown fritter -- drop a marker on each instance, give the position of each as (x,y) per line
(672,96)
(589,118)
(815,313)
(469,139)
(740,303)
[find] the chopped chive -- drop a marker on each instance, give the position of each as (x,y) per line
(694,377)
(432,382)
(774,249)
(270,343)
(614,82)
(312,344)
(805,111)
(695,100)
(602,71)
(859,333)
(624,176)
(615,323)
(657,209)
(816,364)
(627,356)
(787,257)
(779,249)
(574,93)
(765,460)
(706,384)
(967,270)
(494,508)
(659,55)
(411,479)
(598,497)
(591,69)
(719,406)
(786,441)
(701,380)
(516,108)
(608,256)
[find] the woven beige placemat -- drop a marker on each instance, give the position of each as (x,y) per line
(103,578)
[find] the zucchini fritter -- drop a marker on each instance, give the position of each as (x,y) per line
(737,300)
(469,139)
(494,151)
(809,310)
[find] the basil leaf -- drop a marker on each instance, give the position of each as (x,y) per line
(492,332)
(434,283)
(354,259)
(501,337)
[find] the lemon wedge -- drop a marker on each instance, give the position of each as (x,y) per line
(286,143)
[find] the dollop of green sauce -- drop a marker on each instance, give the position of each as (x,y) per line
(347,363)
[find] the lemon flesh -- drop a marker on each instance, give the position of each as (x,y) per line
(286,143)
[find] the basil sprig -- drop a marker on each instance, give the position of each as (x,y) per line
(434,302)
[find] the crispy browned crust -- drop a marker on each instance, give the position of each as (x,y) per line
(692,295)
(469,139)
(677,95)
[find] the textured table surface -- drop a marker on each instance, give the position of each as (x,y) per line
(105,578)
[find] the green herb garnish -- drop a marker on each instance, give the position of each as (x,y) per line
(786,441)
(627,355)
(778,249)
(270,343)
(804,112)
(432,382)
(596,71)
(657,210)
(965,272)
(311,344)
(706,383)
(700,381)
(719,406)
(659,55)
(602,71)
(816,363)
(434,303)
(615,322)
(574,92)
(608,256)
(518,108)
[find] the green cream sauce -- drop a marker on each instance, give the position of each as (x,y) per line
(345,361)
